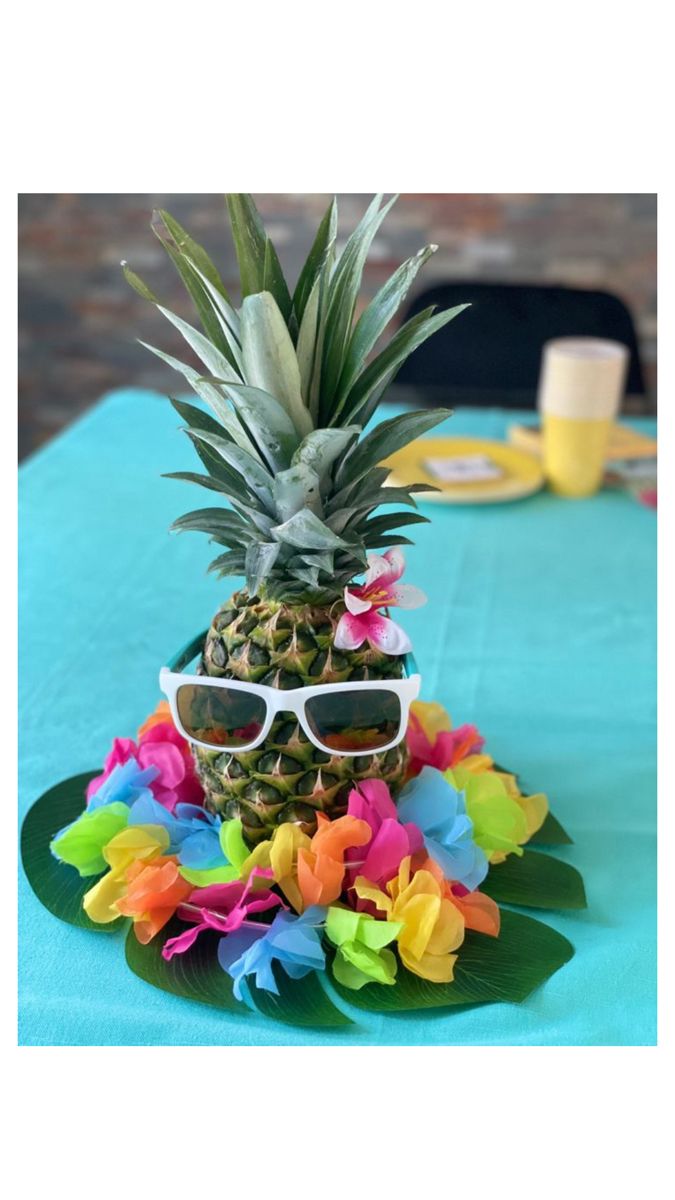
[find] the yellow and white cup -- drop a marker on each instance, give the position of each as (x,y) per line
(580,390)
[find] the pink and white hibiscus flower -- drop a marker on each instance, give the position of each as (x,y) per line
(380,589)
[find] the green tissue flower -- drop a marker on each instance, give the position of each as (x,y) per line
(81,844)
(360,940)
(499,824)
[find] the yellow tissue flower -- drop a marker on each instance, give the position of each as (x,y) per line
(280,854)
(431,926)
(136,843)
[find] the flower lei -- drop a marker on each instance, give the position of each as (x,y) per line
(386,887)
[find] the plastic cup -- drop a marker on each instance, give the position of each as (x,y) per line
(580,391)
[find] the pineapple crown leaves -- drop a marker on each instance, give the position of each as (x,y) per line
(290,381)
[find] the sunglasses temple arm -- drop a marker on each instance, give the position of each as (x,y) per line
(411,667)
(186,655)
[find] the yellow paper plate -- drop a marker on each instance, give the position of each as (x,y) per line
(521,472)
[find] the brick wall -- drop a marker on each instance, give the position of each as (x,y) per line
(79,319)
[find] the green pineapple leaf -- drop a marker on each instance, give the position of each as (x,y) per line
(324,244)
(386,523)
(214,361)
(257,479)
(267,422)
(260,559)
(385,365)
(358,493)
(259,266)
(271,270)
(387,437)
(323,560)
(297,489)
(339,520)
(212,396)
(269,358)
(306,573)
(227,320)
(196,418)
(377,498)
(343,291)
(375,318)
(262,522)
(322,448)
(307,532)
(387,495)
(137,284)
(219,523)
(234,486)
(167,229)
(381,541)
(175,241)
(306,348)
(237,495)
(206,481)
(233,562)
(370,407)
(316,315)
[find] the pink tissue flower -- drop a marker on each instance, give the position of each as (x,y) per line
(391,840)
(224,907)
(380,589)
(162,747)
(432,742)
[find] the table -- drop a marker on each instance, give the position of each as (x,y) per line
(540,628)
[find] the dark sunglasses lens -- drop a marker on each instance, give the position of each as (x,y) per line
(355,722)
(220,716)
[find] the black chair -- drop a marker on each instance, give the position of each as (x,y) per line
(491,354)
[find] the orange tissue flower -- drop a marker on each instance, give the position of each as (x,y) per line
(478,911)
(161,716)
(321,867)
(154,891)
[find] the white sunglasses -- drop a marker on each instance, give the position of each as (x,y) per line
(345,719)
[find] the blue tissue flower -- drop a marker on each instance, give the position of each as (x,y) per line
(193,831)
(126,783)
(439,810)
(294,942)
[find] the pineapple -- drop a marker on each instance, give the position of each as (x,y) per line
(290,382)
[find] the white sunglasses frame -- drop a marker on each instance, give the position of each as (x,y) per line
(291,700)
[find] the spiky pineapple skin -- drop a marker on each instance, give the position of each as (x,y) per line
(287,778)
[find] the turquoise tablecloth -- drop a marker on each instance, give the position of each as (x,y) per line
(540,628)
